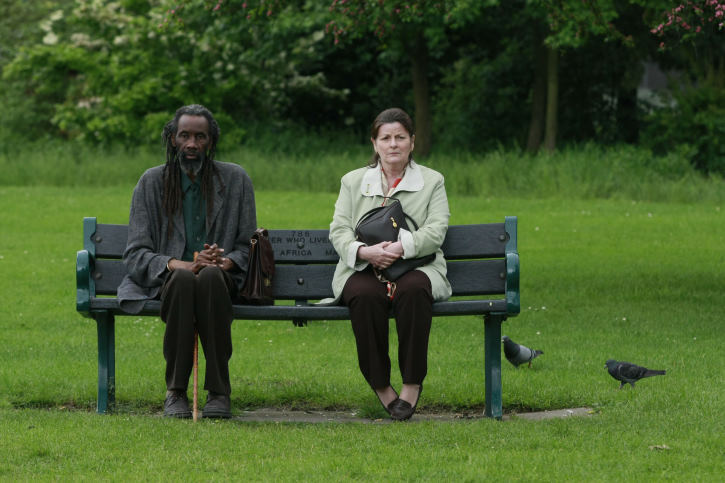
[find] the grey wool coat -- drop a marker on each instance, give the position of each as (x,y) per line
(148,250)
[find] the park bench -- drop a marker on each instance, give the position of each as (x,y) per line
(483,268)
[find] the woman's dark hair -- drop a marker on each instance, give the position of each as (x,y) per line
(389,116)
(173,197)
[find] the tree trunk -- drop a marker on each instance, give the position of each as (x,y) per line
(421,96)
(552,98)
(538,98)
(627,115)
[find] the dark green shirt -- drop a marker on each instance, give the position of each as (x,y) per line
(194,208)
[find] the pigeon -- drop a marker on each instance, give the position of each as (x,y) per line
(626,372)
(517,354)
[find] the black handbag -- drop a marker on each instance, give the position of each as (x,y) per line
(383,224)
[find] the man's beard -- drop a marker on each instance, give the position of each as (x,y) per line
(192,166)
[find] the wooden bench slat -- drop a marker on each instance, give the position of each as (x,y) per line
(312,282)
(290,281)
(313,246)
(475,241)
(110,240)
(462,241)
(477,277)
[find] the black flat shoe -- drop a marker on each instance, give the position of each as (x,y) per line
(176,405)
(402,410)
(217,406)
(389,406)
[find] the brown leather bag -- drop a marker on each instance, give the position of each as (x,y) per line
(257,288)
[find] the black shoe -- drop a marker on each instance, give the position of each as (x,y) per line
(402,410)
(176,405)
(217,406)
(392,403)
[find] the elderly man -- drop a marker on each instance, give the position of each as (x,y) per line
(188,244)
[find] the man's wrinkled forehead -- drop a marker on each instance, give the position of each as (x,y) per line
(193,124)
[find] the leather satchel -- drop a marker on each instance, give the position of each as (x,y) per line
(383,224)
(257,289)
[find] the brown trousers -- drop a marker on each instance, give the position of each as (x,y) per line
(369,305)
(202,302)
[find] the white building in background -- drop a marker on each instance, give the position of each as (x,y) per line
(653,84)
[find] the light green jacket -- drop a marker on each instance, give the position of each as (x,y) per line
(423,196)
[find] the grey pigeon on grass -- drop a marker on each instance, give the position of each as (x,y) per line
(626,372)
(518,354)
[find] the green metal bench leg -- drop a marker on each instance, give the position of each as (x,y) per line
(105,322)
(493,366)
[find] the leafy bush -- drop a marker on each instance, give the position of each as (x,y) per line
(483,97)
(110,70)
(693,124)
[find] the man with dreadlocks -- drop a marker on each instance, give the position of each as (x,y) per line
(188,244)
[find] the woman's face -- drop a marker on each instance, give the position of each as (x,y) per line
(394,145)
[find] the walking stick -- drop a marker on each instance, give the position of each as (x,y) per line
(195,403)
(196,376)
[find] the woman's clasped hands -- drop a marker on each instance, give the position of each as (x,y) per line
(382,255)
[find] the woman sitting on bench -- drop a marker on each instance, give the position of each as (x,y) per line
(359,282)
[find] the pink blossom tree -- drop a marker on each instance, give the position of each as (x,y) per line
(698,27)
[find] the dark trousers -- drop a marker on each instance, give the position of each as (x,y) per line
(412,304)
(202,302)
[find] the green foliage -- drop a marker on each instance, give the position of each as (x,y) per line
(25,23)
(113,69)
(111,73)
(22,25)
(572,22)
(694,124)
(90,85)
(692,39)
(386,20)
(482,97)
(478,108)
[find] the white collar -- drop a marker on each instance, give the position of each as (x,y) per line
(372,185)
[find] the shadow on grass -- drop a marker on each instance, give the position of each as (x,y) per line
(301,413)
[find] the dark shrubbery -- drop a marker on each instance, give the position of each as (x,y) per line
(693,123)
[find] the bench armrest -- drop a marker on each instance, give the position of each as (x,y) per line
(85,288)
(513,294)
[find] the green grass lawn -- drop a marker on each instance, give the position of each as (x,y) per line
(600,279)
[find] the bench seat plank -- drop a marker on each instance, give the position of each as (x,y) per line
(313,282)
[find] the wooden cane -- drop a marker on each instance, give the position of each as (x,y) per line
(195,403)
(196,376)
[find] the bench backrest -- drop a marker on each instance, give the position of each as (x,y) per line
(305,260)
